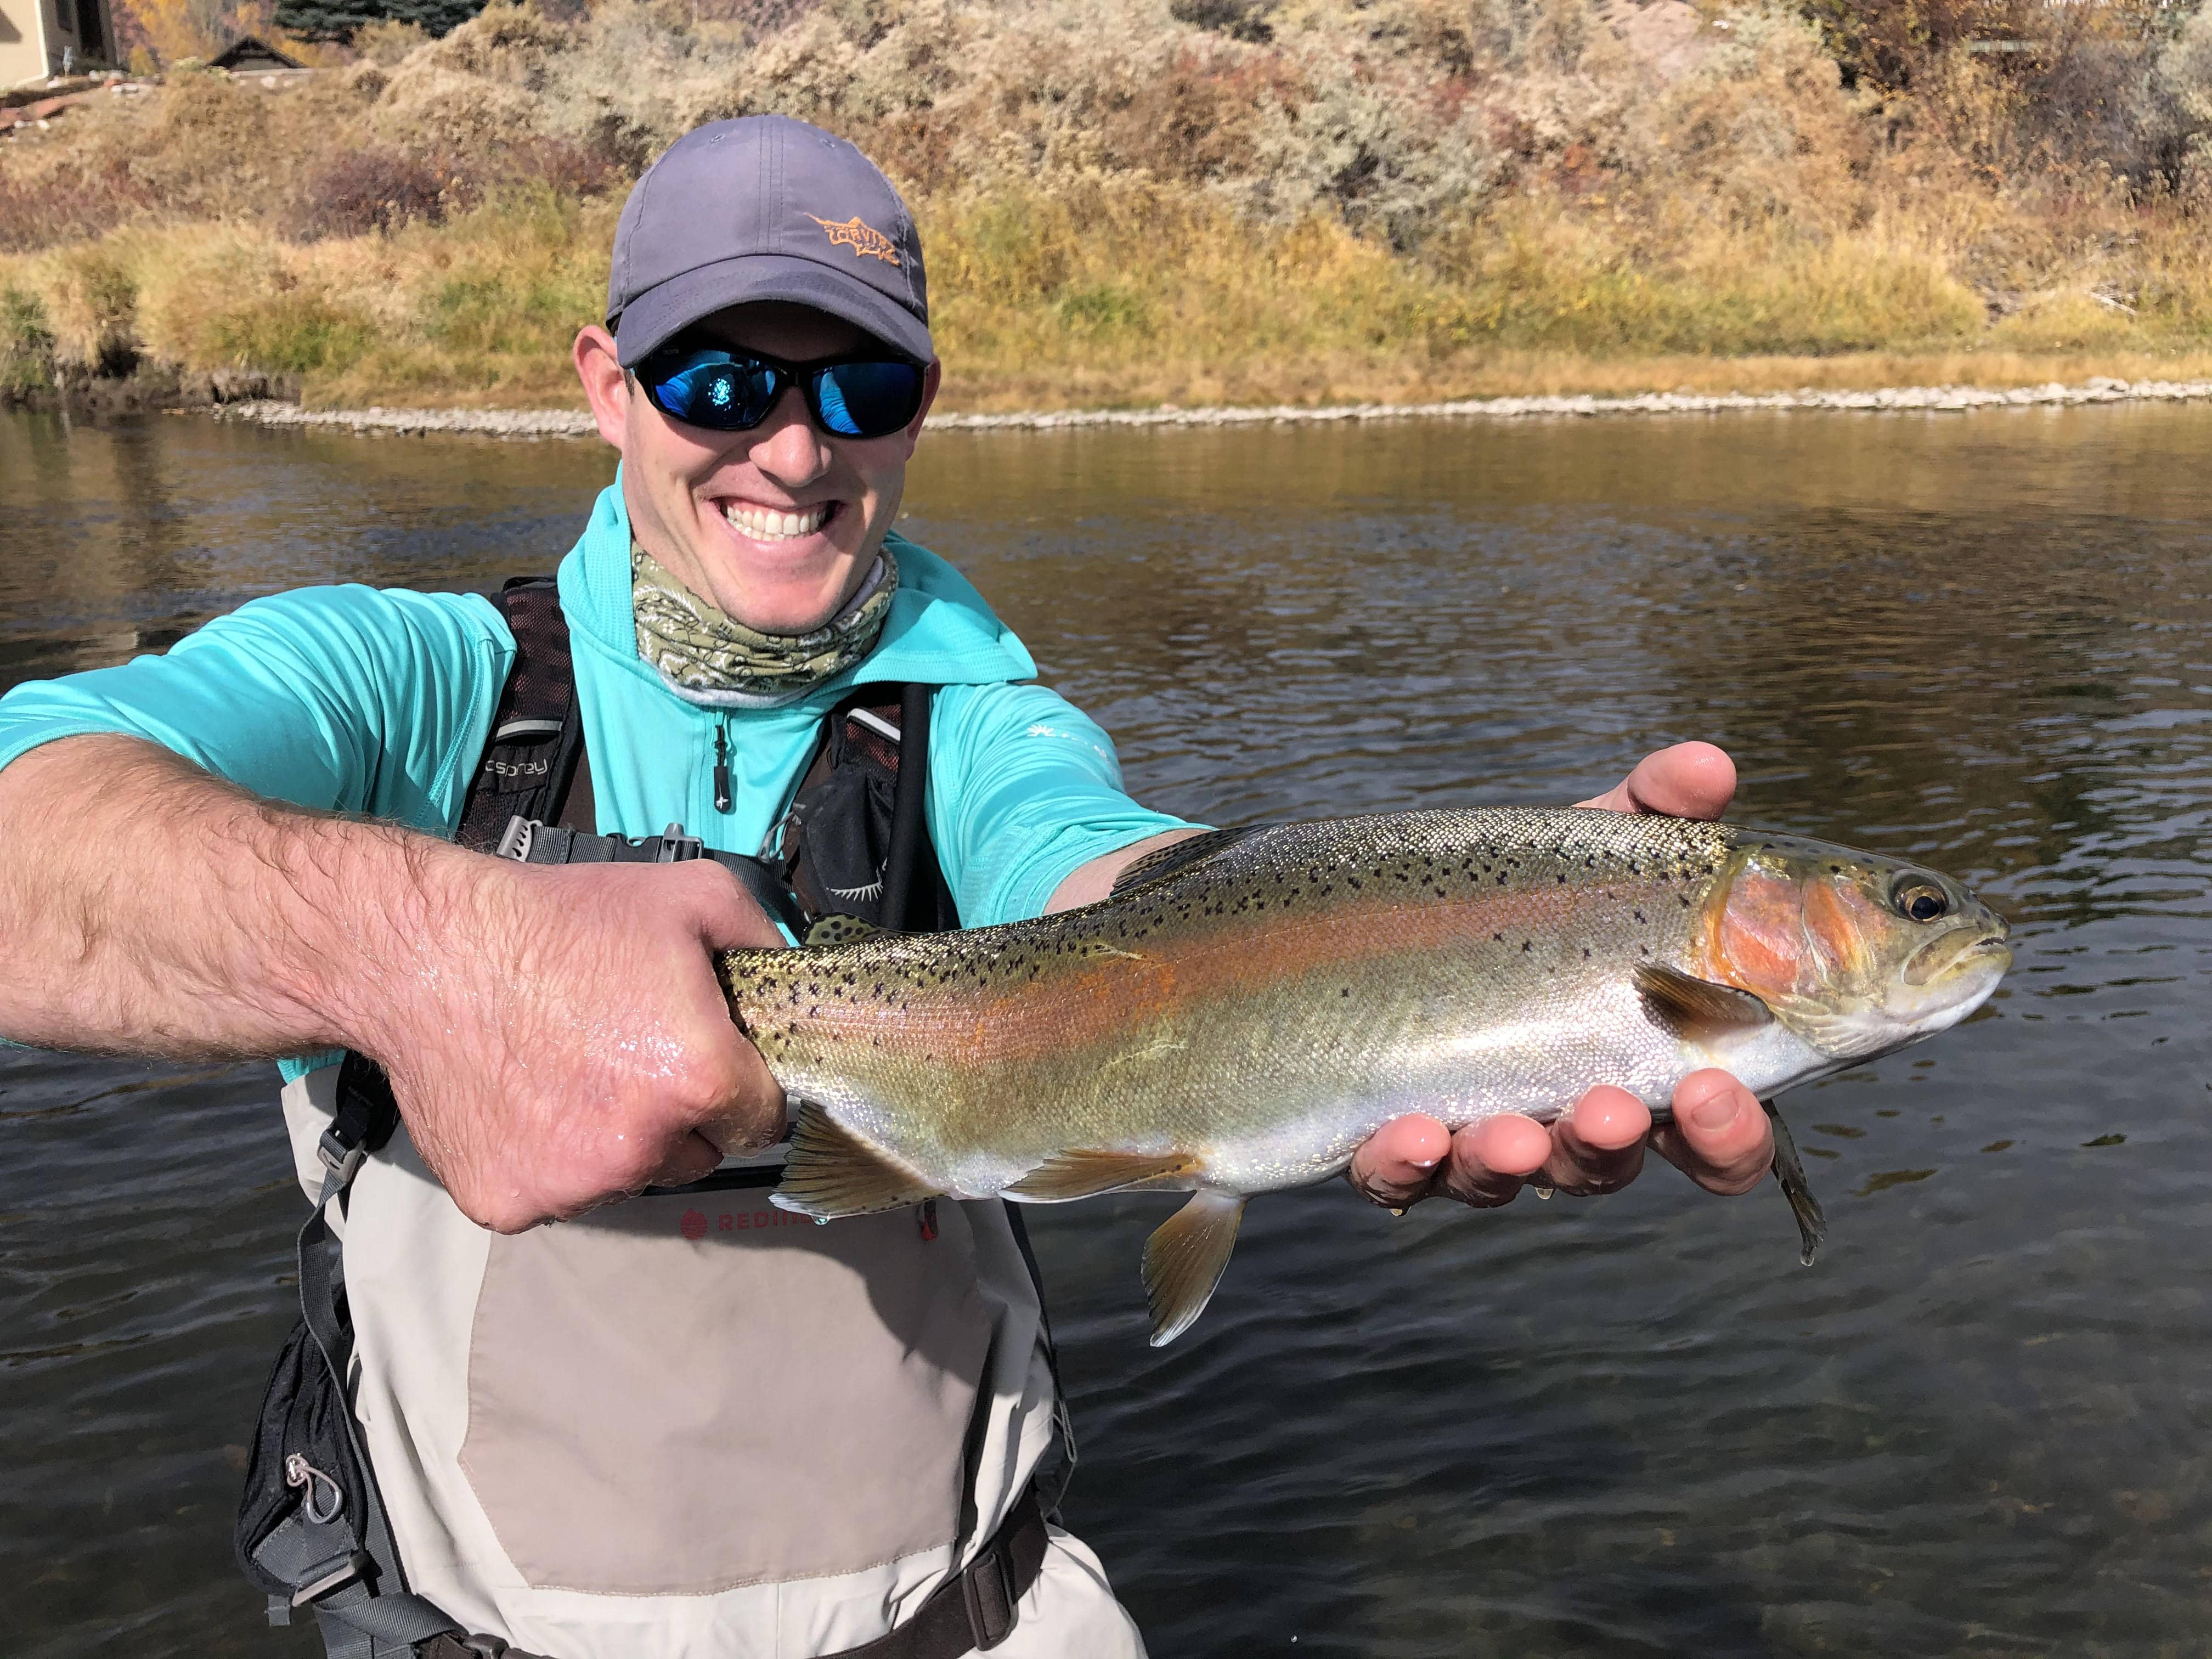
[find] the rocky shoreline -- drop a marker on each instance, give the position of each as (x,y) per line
(566,423)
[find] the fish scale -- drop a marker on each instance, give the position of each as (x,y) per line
(1250,1005)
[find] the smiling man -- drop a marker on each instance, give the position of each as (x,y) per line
(677,1425)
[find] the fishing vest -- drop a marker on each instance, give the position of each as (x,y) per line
(681,1415)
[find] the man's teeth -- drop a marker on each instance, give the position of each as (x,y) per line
(764,523)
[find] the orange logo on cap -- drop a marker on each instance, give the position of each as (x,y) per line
(863,240)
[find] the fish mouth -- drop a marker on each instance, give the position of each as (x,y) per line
(1963,951)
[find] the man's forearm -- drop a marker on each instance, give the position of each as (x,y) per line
(147,907)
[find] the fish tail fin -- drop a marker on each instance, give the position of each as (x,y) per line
(1789,1174)
(1184,1259)
(832,1172)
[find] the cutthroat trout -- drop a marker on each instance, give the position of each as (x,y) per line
(1250,1005)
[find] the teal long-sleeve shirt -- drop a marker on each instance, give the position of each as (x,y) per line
(359,700)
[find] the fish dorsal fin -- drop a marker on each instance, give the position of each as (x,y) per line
(1170,860)
(1696,1008)
(833,1172)
(839,930)
(1065,1176)
(1183,1259)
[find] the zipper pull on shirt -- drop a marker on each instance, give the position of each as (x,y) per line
(722,766)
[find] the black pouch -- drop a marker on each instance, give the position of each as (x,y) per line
(836,840)
(302,1514)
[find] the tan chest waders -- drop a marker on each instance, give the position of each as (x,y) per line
(313,1528)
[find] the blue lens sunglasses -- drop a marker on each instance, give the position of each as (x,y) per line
(854,396)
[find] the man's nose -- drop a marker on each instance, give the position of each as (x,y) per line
(787,447)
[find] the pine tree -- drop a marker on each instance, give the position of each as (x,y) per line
(337,19)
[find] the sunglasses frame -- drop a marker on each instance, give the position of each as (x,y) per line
(807,376)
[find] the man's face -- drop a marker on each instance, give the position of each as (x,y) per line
(777,525)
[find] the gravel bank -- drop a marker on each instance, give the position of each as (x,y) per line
(564,423)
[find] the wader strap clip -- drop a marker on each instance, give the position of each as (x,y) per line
(357,1566)
(987,1587)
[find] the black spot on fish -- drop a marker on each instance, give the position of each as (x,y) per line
(1525,947)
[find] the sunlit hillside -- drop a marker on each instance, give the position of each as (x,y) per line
(1133,201)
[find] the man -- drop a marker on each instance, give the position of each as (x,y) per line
(634,1434)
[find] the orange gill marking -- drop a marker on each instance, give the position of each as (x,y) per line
(1754,936)
(864,240)
(1832,922)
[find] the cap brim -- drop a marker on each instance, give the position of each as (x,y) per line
(660,313)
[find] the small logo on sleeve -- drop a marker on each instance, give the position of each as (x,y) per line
(866,240)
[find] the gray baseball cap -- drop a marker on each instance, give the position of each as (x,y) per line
(765,208)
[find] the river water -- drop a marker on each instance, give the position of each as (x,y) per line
(1630,1425)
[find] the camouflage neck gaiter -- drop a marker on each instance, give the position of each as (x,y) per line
(711,658)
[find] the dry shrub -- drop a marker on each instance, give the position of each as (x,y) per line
(376,188)
(386,42)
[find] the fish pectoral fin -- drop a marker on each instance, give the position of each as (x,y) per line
(1789,1174)
(1065,1176)
(833,1172)
(1696,1008)
(1183,1259)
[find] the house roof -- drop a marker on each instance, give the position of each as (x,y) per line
(249,52)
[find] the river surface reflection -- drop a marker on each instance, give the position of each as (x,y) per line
(1625,1426)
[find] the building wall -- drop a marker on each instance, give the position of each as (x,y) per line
(23,40)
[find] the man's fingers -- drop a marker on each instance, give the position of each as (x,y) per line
(1720,1137)
(1598,1147)
(1687,781)
(729,918)
(694,1158)
(1493,1157)
(1397,1164)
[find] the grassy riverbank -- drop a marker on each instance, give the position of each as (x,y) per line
(1409,199)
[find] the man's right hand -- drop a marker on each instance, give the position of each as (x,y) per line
(566,1041)
(556,1037)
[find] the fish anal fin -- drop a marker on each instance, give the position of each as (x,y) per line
(1071,1175)
(833,1172)
(1177,856)
(1183,1259)
(1695,1008)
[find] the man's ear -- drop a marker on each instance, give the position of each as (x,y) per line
(605,384)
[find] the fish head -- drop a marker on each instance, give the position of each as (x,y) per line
(1855,953)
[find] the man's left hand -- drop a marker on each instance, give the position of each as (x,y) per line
(1719,1136)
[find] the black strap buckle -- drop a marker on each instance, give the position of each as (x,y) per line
(355,1568)
(987,1587)
(341,1157)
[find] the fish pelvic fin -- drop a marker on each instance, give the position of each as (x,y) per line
(1696,1009)
(1184,1258)
(833,1172)
(1790,1175)
(1065,1176)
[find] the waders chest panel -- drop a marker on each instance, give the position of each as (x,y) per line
(753,1479)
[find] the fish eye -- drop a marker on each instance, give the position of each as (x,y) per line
(1920,900)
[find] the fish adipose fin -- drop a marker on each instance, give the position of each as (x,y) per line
(1183,1259)
(1789,1174)
(1159,865)
(1086,1175)
(833,1172)
(839,930)
(1696,1008)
